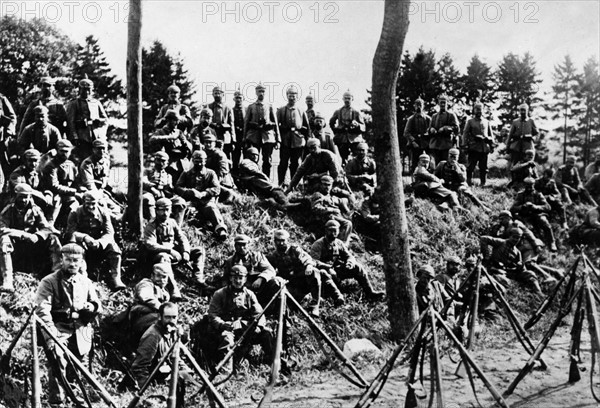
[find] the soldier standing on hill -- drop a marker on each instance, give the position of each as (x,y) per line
(443,131)
(520,137)
(174,104)
(478,139)
(348,126)
(294,130)
(416,133)
(40,135)
(222,122)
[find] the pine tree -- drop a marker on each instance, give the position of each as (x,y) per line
(478,84)
(449,75)
(91,61)
(518,81)
(588,123)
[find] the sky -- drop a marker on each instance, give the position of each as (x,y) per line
(323,47)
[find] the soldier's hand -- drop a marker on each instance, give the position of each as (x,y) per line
(354,123)
(257,283)
(33,238)
(237,325)
(332,272)
(90,307)
(186,256)
(175,255)
(350,264)
(227,326)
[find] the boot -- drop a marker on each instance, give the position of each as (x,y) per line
(482,179)
(115,283)
(315,294)
(197,262)
(367,287)
(330,288)
(469,177)
(6,266)
(174,289)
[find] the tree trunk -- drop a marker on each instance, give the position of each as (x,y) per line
(134,119)
(394,229)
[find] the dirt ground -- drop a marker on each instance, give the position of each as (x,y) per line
(540,389)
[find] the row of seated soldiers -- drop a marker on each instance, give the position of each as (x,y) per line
(67,299)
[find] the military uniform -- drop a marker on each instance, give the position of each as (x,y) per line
(520,138)
(262,131)
(94,173)
(87,122)
(253,179)
(294,130)
(521,170)
(257,266)
(442,134)
(356,168)
(347,137)
(59,178)
(57,114)
(63,304)
(478,140)
(328,207)
(222,123)
(144,312)
(174,143)
(239,114)
(417,136)
(186,122)
(83,225)
(430,186)
(8,124)
(569,184)
(32,178)
(156,184)
(531,206)
(589,230)
(313,167)
(548,188)
(198,133)
(40,137)
(202,181)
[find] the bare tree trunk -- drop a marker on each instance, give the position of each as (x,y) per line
(134,118)
(395,247)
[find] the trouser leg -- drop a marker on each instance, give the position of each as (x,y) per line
(113,253)
(267,152)
(6,267)
(329,287)
(295,159)
(285,154)
(197,258)
(211,212)
(483,168)
(149,206)
(345,228)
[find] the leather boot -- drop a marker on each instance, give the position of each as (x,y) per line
(115,283)
(6,266)
(197,261)
(367,287)
(315,294)
(482,179)
(469,178)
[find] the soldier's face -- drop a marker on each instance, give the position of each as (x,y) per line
(347,100)
(238,100)
(452,158)
(217,96)
(160,278)
(424,162)
(319,124)
(205,119)
(332,232)
(63,153)
(443,104)
(90,204)
(361,152)
(504,221)
(260,94)
(314,148)
(163,213)
(326,186)
(72,263)
(160,163)
(241,248)
(210,145)
(292,97)
(173,95)
(41,118)
(477,111)
(238,281)
(281,243)
(310,102)
(46,90)
(172,123)
(418,106)
(523,112)
(254,157)
(99,152)
(169,317)
(85,90)
(452,268)
(570,164)
(513,240)
(529,156)
(21,200)
(31,163)
(199,161)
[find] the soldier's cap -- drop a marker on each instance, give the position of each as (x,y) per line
(332,224)
(173,87)
(199,153)
(529,180)
(47,80)
(571,158)
(424,156)
(162,155)
(251,150)
(310,97)
(23,188)
(209,137)
(172,114)
(524,106)
(549,171)
(453,259)
(178,201)
(453,151)
(217,89)
(532,151)
(238,270)
(362,145)
(92,195)
(443,97)
(504,213)
(86,81)
(72,249)
(163,203)
(281,234)
(259,87)
(471,261)
(426,271)
(164,267)
(313,141)
(319,115)
(241,239)
(40,109)
(348,93)
(326,178)
(64,143)
(32,153)
(478,105)
(291,89)
(419,100)
(515,232)
(206,112)
(237,93)
(100,143)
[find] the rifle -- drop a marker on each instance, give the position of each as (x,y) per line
(5,359)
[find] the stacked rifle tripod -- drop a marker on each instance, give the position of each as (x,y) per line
(579,290)
(427,341)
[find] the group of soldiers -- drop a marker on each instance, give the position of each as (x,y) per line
(67,213)
(62,208)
